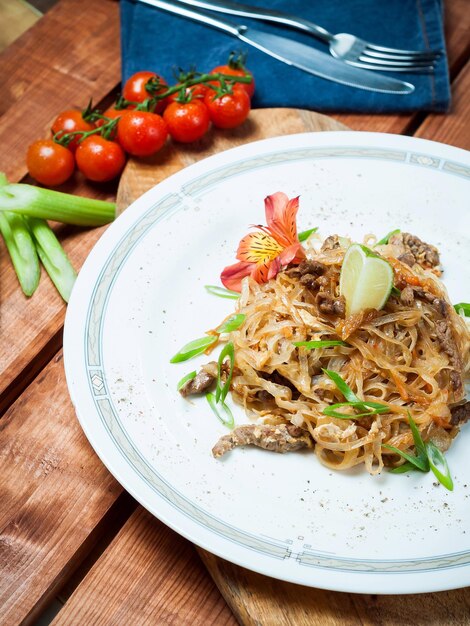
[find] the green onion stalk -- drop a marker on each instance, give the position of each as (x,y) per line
(22,250)
(20,246)
(55,205)
(53,257)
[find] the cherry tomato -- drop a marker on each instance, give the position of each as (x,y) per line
(49,163)
(187,121)
(100,159)
(112,113)
(142,133)
(135,91)
(230,110)
(196,91)
(69,122)
(232,70)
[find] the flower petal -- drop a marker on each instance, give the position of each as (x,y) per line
(258,247)
(233,275)
(293,254)
(281,216)
(274,268)
(260,272)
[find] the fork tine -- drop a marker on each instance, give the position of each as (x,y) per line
(399,57)
(399,51)
(422,69)
(385,64)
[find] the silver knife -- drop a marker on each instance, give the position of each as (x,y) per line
(293,53)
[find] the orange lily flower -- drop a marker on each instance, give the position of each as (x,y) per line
(264,253)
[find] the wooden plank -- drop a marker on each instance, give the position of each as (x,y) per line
(55,491)
(80,41)
(250,597)
(56,495)
(452,128)
(424,609)
(457,28)
(148,575)
(30,330)
(19,16)
(257,599)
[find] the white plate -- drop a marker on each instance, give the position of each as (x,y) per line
(140,297)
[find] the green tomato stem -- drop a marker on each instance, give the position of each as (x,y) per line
(105,131)
(226,80)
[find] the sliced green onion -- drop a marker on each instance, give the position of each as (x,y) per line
(193,348)
(396,291)
(319,344)
(221,292)
(438,462)
(22,250)
(221,391)
(232,323)
(53,256)
(305,234)
(385,239)
(429,457)
(418,440)
(374,406)
(352,400)
(221,410)
(417,461)
(342,385)
(55,205)
(180,384)
(402,469)
(463,307)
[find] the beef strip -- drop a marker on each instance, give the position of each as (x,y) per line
(423,252)
(311,267)
(443,330)
(448,345)
(409,294)
(460,414)
(327,303)
(203,379)
(331,243)
(416,251)
(308,272)
(407,258)
(279,438)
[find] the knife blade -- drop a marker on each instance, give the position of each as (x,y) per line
(292,52)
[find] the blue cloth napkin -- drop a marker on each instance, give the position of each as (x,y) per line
(154,40)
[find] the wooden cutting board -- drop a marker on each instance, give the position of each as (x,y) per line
(141,174)
(254,599)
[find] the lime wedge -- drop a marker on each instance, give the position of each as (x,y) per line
(366,279)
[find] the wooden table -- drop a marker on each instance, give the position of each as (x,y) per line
(67,528)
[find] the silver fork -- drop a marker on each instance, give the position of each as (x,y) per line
(343,46)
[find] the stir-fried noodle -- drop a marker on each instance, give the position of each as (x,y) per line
(412,356)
